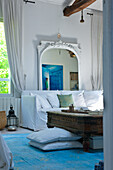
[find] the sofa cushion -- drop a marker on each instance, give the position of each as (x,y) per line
(52,135)
(43,101)
(65,100)
(79,100)
(94,100)
(57,145)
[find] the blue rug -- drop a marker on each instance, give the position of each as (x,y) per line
(28,158)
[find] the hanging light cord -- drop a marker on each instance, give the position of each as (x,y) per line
(82,20)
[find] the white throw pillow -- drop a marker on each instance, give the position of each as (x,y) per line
(79,99)
(43,101)
(57,145)
(52,135)
(53,100)
(94,100)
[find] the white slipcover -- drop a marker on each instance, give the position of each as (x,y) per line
(5,156)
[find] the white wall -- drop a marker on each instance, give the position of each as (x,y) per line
(43,21)
(62,57)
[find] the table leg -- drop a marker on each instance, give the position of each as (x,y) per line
(49,126)
(86,143)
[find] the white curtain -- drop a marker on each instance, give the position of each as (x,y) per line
(12,17)
(96,50)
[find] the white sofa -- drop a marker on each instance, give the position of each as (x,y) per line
(35,104)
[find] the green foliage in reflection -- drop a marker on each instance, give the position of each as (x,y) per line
(4,66)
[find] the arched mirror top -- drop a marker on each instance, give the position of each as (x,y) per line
(47,45)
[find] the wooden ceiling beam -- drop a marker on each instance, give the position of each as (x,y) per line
(77,6)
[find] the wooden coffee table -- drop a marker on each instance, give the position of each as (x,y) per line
(82,123)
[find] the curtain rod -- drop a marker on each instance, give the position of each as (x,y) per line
(27,1)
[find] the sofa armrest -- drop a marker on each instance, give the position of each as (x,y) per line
(28,107)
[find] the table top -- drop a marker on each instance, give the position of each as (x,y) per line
(78,113)
(85,124)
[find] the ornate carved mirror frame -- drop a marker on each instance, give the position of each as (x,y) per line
(47,45)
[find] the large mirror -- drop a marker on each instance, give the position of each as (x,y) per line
(59,70)
(59,66)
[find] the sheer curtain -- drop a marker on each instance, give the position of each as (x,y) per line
(12,17)
(96,50)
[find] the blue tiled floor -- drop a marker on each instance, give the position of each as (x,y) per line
(29,158)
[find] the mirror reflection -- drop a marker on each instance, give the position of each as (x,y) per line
(59,70)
